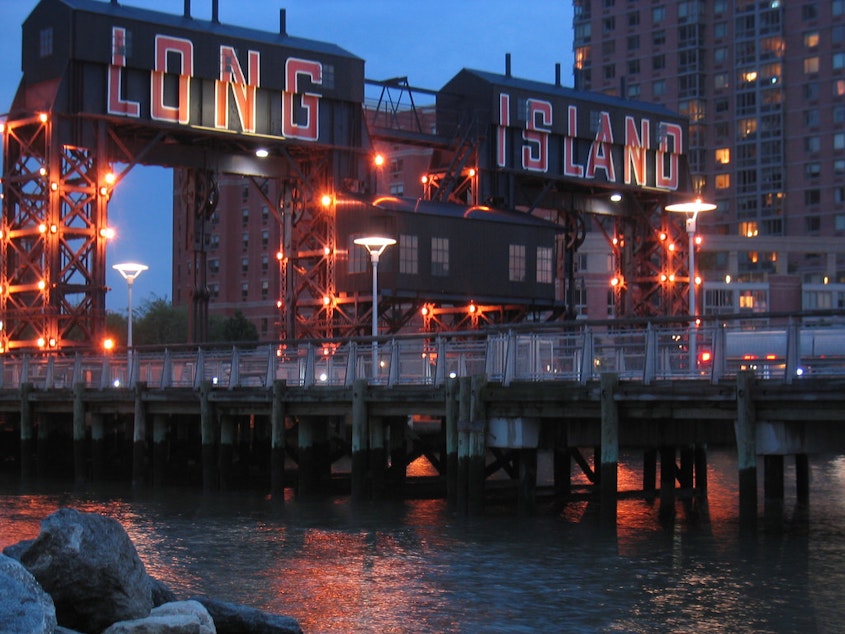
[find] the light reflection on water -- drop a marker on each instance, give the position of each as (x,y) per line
(413,567)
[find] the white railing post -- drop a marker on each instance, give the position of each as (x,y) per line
(587,352)
(167,370)
(308,379)
(270,375)
(393,370)
(440,367)
(793,350)
(235,368)
(351,365)
(199,369)
(719,364)
(650,352)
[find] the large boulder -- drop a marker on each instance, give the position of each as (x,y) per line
(231,618)
(188,617)
(88,564)
(24,607)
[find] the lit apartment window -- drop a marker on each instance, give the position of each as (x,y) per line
(409,254)
(748,229)
(811,39)
(811,65)
(516,262)
(545,265)
(723,156)
(440,256)
(723,181)
(839,89)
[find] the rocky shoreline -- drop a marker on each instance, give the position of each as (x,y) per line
(82,574)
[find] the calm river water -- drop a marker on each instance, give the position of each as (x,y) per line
(414,567)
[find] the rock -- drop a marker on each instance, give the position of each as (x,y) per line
(161,593)
(231,618)
(91,569)
(189,617)
(24,607)
(16,550)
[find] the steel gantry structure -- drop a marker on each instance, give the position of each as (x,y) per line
(107,87)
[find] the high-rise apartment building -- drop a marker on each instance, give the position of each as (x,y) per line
(763,85)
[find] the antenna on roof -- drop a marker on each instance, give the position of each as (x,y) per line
(507,64)
(187,8)
(283,22)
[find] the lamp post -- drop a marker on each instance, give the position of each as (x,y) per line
(692,208)
(375,246)
(130,271)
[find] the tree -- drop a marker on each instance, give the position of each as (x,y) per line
(239,328)
(158,322)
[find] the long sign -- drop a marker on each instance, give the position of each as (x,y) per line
(176,71)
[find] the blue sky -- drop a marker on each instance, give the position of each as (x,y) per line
(429,42)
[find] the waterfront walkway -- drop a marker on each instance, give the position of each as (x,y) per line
(476,406)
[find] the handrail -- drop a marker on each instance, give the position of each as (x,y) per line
(645,351)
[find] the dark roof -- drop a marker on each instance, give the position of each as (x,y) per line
(476,212)
(205,26)
(567,92)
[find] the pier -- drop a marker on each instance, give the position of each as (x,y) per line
(480,409)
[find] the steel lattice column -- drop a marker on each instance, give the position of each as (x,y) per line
(54,235)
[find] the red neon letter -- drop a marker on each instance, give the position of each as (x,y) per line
(535,153)
(600,157)
(116,104)
(635,151)
(244,91)
(181,112)
(309,102)
(667,161)
(569,166)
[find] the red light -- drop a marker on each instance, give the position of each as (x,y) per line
(706,357)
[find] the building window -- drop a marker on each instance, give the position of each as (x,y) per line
(748,229)
(265,214)
(265,289)
(245,193)
(658,37)
(811,39)
(516,262)
(812,197)
(813,170)
(45,42)
(723,181)
(214,290)
(397,189)
(609,24)
(545,265)
(811,65)
(658,14)
(809,11)
(839,222)
(723,156)
(440,256)
(409,254)
(358,257)
(244,265)
(265,239)
(812,224)
(245,216)
(245,241)
(658,62)
(265,263)
(214,266)
(244,291)
(215,240)
(812,144)
(634,42)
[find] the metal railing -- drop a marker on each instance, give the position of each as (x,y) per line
(579,351)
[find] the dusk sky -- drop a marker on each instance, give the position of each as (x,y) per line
(427,42)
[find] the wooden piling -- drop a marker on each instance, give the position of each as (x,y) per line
(27,444)
(608,481)
(452,415)
(561,463)
(227,450)
(139,437)
(398,428)
(745,429)
(668,469)
(207,425)
(378,458)
(277,441)
(701,471)
(159,448)
(802,478)
(527,496)
(477,447)
(464,412)
(773,477)
(79,464)
(650,473)
(360,435)
(98,435)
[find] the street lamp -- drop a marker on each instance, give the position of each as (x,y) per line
(375,246)
(130,271)
(692,208)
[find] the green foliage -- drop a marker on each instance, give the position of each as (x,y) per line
(116,328)
(158,322)
(238,328)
